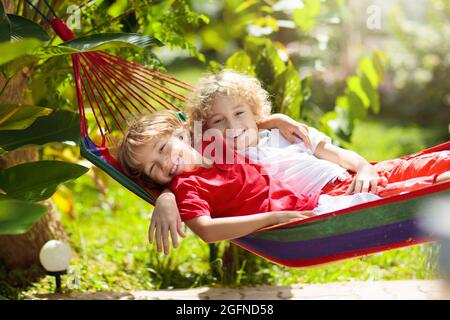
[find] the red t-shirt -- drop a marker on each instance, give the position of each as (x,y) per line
(236,189)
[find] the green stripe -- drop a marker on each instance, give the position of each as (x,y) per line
(349,222)
(114,173)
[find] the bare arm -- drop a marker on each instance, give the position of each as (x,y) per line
(165,219)
(212,230)
(345,158)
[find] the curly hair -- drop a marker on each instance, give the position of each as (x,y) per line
(226,83)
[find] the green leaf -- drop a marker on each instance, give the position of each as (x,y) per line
(60,125)
(19,117)
(52,51)
(17,49)
(5,25)
(354,85)
(11,68)
(215,37)
(117,8)
(356,106)
(241,62)
(18,217)
(288,92)
(97,42)
(265,57)
(367,68)
(23,28)
(379,59)
(111,40)
(38,180)
(371,92)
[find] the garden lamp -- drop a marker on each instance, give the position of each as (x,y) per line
(55,257)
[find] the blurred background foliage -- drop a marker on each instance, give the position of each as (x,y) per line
(322,65)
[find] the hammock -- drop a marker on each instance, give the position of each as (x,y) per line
(113,89)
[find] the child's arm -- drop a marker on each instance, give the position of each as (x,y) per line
(289,128)
(366,178)
(218,229)
(165,219)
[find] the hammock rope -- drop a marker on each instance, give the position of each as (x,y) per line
(115,89)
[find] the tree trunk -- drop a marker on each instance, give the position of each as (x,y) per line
(22,251)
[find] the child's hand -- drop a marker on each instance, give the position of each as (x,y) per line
(165,219)
(291,129)
(366,180)
(288,216)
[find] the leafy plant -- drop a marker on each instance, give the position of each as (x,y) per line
(24,42)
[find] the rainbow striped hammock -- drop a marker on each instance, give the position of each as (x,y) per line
(113,89)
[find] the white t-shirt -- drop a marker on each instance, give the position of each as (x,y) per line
(297,166)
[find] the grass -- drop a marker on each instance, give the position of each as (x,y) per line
(109,235)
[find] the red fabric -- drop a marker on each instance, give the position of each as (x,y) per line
(403,175)
(234,189)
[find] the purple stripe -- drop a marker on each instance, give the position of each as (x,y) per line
(310,249)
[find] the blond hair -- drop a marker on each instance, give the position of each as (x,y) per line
(140,132)
(226,83)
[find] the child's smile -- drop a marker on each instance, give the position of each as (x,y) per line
(234,117)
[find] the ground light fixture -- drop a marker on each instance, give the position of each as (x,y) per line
(55,256)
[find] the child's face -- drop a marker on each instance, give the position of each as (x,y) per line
(234,117)
(165,157)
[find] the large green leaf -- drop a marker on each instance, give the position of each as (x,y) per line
(19,117)
(241,62)
(98,42)
(19,216)
(288,92)
(38,180)
(371,93)
(23,28)
(60,125)
(265,57)
(13,50)
(33,47)
(5,25)
(111,40)
(354,85)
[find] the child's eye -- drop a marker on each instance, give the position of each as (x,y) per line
(217,121)
(162,148)
(239,113)
(151,170)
